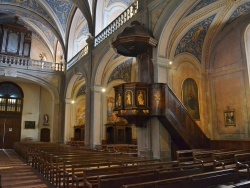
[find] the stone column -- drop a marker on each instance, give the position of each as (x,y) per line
(96,129)
(145,74)
(161,140)
(68,120)
(56,128)
(161,69)
(89,111)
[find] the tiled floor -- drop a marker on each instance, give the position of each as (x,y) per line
(17,174)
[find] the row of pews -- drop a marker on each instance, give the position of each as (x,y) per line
(69,166)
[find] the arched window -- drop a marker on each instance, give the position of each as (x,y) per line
(190,97)
(11,97)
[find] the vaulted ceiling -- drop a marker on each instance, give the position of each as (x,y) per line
(49,20)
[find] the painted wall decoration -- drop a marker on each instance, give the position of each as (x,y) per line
(33,5)
(110,113)
(81,91)
(47,32)
(201,4)
(123,72)
(111,117)
(193,40)
(239,12)
(62,10)
(80,116)
(190,97)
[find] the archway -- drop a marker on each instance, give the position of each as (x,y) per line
(11,104)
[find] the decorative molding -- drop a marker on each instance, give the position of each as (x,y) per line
(162,62)
(191,20)
(122,71)
(10,72)
(192,41)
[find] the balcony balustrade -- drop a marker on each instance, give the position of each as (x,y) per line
(27,63)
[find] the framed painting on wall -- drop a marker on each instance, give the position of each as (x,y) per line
(229,116)
(30,124)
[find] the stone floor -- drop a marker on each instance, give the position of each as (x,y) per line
(17,174)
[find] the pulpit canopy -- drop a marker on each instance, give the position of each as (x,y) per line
(134,40)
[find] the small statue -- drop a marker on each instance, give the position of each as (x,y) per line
(46,119)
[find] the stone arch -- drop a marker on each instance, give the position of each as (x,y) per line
(247,48)
(164,28)
(69,108)
(107,56)
(103,17)
(77,24)
(44,83)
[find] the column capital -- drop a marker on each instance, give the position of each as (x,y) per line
(162,62)
(99,89)
(68,101)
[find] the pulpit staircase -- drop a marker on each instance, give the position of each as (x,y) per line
(184,131)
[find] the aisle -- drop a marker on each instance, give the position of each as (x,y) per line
(17,174)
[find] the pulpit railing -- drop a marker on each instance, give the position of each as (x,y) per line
(181,120)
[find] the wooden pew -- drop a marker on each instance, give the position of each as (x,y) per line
(245,184)
(198,156)
(63,167)
(127,149)
(208,179)
(205,158)
(49,159)
(66,167)
(74,168)
(90,176)
(242,165)
(180,182)
(117,180)
(224,160)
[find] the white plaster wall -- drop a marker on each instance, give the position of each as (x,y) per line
(31,106)
(46,107)
(38,47)
(36,102)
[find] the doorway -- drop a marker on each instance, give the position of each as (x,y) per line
(11,105)
(45,135)
(10,130)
